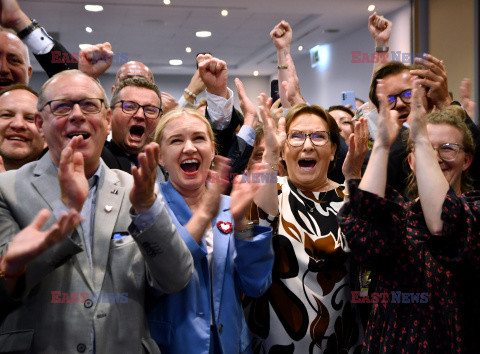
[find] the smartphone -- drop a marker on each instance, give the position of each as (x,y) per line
(348,98)
(274,90)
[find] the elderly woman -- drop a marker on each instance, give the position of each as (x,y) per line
(230,258)
(307,308)
(424,253)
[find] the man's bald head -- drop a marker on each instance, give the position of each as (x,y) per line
(133,69)
(14,62)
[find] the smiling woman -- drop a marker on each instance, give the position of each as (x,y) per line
(231,258)
(307,309)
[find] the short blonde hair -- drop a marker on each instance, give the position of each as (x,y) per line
(177,113)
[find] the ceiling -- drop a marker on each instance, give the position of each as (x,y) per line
(153,33)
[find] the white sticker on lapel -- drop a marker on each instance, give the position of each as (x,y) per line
(108,208)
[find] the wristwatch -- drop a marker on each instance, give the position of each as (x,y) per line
(29,29)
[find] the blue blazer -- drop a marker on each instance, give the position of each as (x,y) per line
(180,323)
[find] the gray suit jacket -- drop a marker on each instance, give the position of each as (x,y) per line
(56,305)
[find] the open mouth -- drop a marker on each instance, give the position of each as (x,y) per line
(137,131)
(16,138)
(5,82)
(84,135)
(306,164)
(403,117)
(190,167)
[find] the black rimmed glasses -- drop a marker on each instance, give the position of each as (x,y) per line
(131,107)
(318,138)
(405,96)
(65,107)
(448,152)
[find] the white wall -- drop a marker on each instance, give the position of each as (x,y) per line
(323,85)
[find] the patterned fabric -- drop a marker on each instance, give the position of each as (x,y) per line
(307,308)
(430,281)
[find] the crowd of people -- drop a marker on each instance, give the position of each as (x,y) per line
(200,228)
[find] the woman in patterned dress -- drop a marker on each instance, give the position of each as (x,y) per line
(307,308)
(425,253)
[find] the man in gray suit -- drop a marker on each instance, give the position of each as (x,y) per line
(82,291)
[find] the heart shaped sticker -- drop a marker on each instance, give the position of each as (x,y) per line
(224,226)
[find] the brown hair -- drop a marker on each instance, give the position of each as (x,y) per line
(136,81)
(318,111)
(391,68)
(454,116)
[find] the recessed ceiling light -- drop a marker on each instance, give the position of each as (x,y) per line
(371,8)
(94,8)
(89,29)
(84,46)
(188,50)
(224,12)
(175,62)
(166,2)
(255,73)
(203,34)
(300,48)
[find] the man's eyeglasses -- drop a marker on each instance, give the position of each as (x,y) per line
(405,96)
(318,138)
(448,152)
(65,107)
(130,107)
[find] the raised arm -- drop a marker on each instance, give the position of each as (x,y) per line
(380,28)
(281,36)
(375,178)
(465,97)
(267,198)
(432,185)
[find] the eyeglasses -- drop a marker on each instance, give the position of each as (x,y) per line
(405,96)
(130,107)
(65,107)
(448,152)
(318,138)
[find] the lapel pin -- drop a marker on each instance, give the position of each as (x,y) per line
(108,208)
(224,226)
(115,191)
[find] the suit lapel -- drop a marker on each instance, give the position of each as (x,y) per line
(109,200)
(221,243)
(46,183)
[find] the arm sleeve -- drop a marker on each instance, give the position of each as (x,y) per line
(254,262)
(458,246)
(373,226)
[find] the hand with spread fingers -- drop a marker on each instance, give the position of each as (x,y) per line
(96,59)
(357,150)
(142,194)
(388,123)
(248,109)
(418,124)
(434,79)
(71,176)
(30,242)
(243,192)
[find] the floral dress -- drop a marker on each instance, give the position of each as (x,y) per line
(430,282)
(307,308)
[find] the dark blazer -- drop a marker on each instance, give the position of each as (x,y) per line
(229,145)
(57,60)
